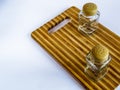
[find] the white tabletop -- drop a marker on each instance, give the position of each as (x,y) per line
(24,65)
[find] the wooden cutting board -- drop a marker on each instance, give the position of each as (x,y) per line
(69,48)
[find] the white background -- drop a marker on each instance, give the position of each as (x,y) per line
(24,65)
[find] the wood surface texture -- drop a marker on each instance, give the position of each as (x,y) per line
(69,48)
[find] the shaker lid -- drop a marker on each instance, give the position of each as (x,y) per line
(100,53)
(90,9)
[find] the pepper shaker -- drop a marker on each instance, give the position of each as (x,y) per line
(88,18)
(97,62)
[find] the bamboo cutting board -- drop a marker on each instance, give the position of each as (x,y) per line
(70,47)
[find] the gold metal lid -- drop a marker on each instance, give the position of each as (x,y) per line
(90,9)
(100,53)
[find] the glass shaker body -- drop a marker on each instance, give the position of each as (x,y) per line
(88,24)
(96,71)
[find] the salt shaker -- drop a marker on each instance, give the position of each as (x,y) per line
(88,18)
(97,62)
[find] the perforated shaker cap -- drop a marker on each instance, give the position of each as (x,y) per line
(100,53)
(89,9)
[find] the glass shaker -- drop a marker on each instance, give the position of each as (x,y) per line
(88,18)
(97,62)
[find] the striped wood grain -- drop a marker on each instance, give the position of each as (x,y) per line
(69,47)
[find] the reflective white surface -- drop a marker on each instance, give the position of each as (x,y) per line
(24,65)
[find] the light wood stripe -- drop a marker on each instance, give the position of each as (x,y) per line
(69,47)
